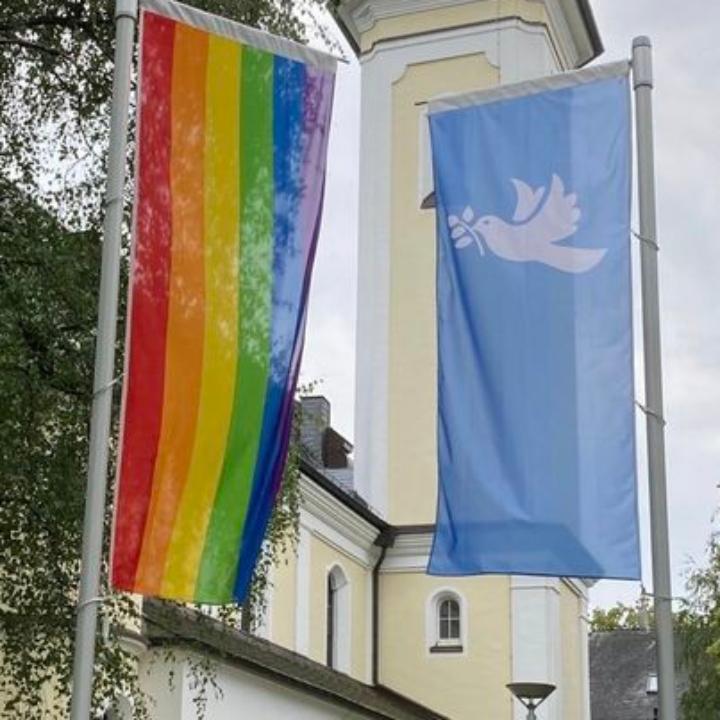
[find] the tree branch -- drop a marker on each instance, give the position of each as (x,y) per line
(39,22)
(19,42)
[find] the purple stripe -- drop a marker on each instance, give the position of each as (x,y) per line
(319,91)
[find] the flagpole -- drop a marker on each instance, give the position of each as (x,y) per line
(662,584)
(86,622)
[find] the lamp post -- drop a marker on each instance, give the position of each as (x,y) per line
(531,695)
(651,690)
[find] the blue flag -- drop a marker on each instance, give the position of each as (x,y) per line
(536,440)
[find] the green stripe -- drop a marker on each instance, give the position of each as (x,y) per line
(222,544)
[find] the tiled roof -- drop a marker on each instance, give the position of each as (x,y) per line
(620,663)
(167,624)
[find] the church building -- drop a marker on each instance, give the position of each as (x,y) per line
(354,625)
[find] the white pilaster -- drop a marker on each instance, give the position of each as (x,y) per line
(371,380)
(537,640)
(585,655)
(526,52)
(302,593)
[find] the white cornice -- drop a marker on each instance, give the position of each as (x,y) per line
(365,13)
(480,40)
(559,25)
(409,553)
(579,587)
(580,27)
(565,18)
(327,517)
(535,582)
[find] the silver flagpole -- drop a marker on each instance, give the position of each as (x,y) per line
(662,585)
(84,659)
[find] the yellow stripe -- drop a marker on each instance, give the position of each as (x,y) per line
(222,132)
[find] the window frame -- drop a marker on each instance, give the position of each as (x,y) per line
(451,640)
(436,644)
(338,619)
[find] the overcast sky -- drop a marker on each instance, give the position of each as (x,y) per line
(687,115)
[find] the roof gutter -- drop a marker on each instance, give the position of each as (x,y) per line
(341,22)
(595,40)
(384,540)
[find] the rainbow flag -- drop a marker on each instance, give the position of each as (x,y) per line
(232,144)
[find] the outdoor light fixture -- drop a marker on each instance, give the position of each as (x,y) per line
(651,690)
(651,686)
(531,695)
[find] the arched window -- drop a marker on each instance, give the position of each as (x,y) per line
(448,622)
(446,618)
(331,621)
(337,620)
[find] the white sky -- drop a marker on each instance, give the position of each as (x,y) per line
(687,115)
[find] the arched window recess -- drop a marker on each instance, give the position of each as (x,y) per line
(447,626)
(337,620)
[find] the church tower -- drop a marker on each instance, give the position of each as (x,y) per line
(411,51)
(533,629)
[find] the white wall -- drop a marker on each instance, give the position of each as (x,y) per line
(245,696)
(537,639)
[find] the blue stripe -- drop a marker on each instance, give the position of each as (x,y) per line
(288,281)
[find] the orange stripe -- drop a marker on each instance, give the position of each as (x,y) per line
(185,327)
(222,219)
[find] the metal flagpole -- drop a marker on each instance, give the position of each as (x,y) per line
(643,85)
(86,623)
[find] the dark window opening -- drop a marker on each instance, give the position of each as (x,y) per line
(331,614)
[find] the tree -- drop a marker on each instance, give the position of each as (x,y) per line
(698,625)
(697,629)
(46,345)
(623,617)
(55,83)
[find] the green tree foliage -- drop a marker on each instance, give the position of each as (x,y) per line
(699,632)
(623,617)
(55,84)
(46,316)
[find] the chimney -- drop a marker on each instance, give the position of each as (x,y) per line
(326,447)
(315,420)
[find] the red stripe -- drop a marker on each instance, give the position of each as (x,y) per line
(149,301)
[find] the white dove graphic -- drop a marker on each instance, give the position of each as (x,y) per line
(533,233)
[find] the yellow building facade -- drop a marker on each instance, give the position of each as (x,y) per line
(387,617)
(392,618)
